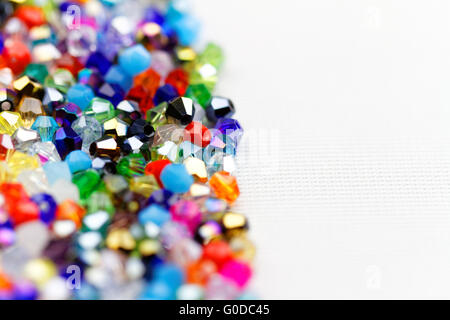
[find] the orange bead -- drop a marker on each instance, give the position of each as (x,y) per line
(218,251)
(31,16)
(150,80)
(17,55)
(5,282)
(199,272)
(70,210)
(225,186)
(179,79)
(13,193)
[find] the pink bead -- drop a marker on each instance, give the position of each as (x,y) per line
(187,213)
(237,271)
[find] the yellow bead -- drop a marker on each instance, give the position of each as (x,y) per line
(185,54)
(144,185)
(29,109)
(5,172)
(40,271)
(243,249)
(196,168)
(21,161)
(120,239)
(9,122)
(149,247)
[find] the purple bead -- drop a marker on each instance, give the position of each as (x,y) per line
(98,61)
(230,128)
(163,197)
(152,14)
(165,94)
(7,237)
(66,114)
(47,206)
(67,140)
(111,92)
(25,291)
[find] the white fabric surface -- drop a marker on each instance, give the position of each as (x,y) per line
(345,167)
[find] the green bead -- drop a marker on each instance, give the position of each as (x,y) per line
(101,109)
(157,116)
(213,55)
(87,182)
(61,79)
(199,93)
(37,71)
(204,74)
(132,165)
(100,201)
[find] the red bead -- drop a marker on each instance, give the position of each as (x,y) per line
(31,16)
(23,211)
(70,63)
(155,169)
(16,55)
(218,251)
(179,79)
(198,134)
(13,193)
(141,96)
(150,80)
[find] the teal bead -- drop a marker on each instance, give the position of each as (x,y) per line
(116,75)
(78,161)
(81,95)
(56,171)
(171,274)
(187,29)
(46,127)
(175,178)
(135,59)
(154,214)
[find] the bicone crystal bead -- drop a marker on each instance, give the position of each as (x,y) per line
(20,161)
(10,121)
(46,127)
(89,129)
(6,147)
(168,132)
(157,116)
(46,151)
(24,138)
(180,110)
(225,186)
(132,165)
(29,109)
(101,109)
(219,107)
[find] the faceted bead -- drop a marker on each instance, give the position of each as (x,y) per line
(225,186)
(140,126)
(63,190)
(200,113)
(180,110)
(111,92)
(78,161)
(46,151)
(179,79)
(187,29)
(144,185)
(115,127)
(9,122)
(150,80)
(135,59)
(20,161)
(154,214)
(232,222)
(98,61)
(6,75)
(187,213)
(52,99)
(105,164)
(67,140)
(81,95)
(196,168)
(24,138)
(30,15)
(17,55)
(60,79)
(115,183)
(169,132)
(169,150)
(69,62)
(25,86)
(116,75)
(231,129)
(5,172)
(57,171)
(70,210)
(204,74)
(198,134)
(157,115)
(140,96)
(105,147)
(132,165)
(37,71)
(47,206)
(101,109)
(8,99)
(218,108)
(199,93)
(90,77)
(46,127)
(128,111)
(175,178)
(89,129)
(236,271)
(87,182)
(66,114)
(133,145)
(152,36)
(29,109)
(165,93)
(155,168)
(162,62)
(6,147)
(212,54)
(24,211)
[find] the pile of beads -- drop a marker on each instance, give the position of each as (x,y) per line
(116,161)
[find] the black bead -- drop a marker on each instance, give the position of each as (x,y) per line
(139,127)
(219,107)
(180,110)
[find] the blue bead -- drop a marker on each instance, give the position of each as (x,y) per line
(187,29)
(135,59)
(116,75)
(165,94)
(163,198)
(78,161)
(175,178)
(57,170)
(47,206)
(153,15)
(1,43)
(67,140)
(177,9)
(46,126)
(231,129)
(170,274)
(98,61)
(81,95)
(86,292)
(111,92)
(158,290)
(154,214)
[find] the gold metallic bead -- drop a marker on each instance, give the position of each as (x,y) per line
(149,247)
(25,86)
(185,54)
(29,109)
(243,248)
(115,127)
(234,221)
(144,185)
(120,239)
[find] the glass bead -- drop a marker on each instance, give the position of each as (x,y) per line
(46,151)
(69,62)
(16,54)
(47,206)
(175,178)
(155,167)
(37,71)
(165,93)
(45,53)
(87,182)
(101,109)
(6,147)
(212,54)
(46,127)
(163,198)
(24,138)
(168,150)
(34,181)
(32,16)
(20,161)
(6,76)
(70,210)
(115,127)
(187,213)
(225,186)
(144,185)
(204,74)
(179,79)
(98,61)
(135,59)
(120,239)
(218,108)
(111,92)
(198,190)
(89,129)
(150,80)
(198,134)
(153,214)
(132,165)
(40,270)
(208,231)
(81,95)
(67,140)
(52,99)
(200,271)
(78,160)
(57,171)
(157,115)
(232,222)
(105,147)
(29,109)
(60,79)
(236,271)
(25,86)
(231,129)
(187,29)
(169,132)
(63,190)
(196,168)
(116,75)
(185,54)
(180,110)
(66,114)
(199,93)
(8,99)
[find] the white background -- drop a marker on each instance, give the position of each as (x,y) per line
(345,168)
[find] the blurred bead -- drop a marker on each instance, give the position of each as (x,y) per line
(66,114)
(89,129)
(179,79)
(87,182)
(185,54)
(198,190)
(120,239)
(140,96)
(219,107)
(212,54)
(40,270)
(33,237)
(37,71)
(199,272)
(180,110)
(175,178)
(6,147)
(46,127)
(96,221)
(208,231)
(66,61)
(165,93)
(67,140)
(8,99)
(47,206)
(98,61)
(57,171)
(29,109)
(20,161)
(135,59)
(150,80)
(155,167)
(25,86)
(70,210)
(34,181)
(144,185)
(243,249)
(81,95)
(187,213)
(116,75)
(187,29)
(63,190)
(90,77)
(17,55)
(220,288)
(6,76)
(30,15)
(234,222)
(162,62)
(163,198)
(153,214)
(190,292)
(60,79)
(236,271)
(225,186)
(24,138)
(196,168)
(46,151)
(78,161)
(152,36)
(45,53)
(204,74)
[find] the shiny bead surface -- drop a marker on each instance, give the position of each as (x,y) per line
(180,110)
(225,186)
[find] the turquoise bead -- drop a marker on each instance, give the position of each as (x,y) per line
(175,178)
(135,59)
(78,161)
(56,171)
(46,127)
(81,95)
(187,29)
(116,75)
(154,214)
(171,274)
(158,290)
